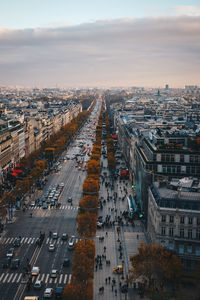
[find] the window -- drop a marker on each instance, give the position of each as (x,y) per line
(197,250)
(162,230)
(198,221)
(189,249)
(163,218)
(190,221)
(198,233)
(182,232)
(171,219)
(189,233)
(181,249)
(182,158)
(171,231)
(171,246)
(182,220)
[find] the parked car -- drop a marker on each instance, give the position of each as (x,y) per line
(69,199)
(48,293)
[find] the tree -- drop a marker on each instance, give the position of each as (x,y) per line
(22,186)
(155,266)
(87,224)
(90,186)
(93,167)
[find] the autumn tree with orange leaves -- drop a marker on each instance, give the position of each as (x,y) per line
(155,267)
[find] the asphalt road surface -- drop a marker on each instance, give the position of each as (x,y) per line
(71,172)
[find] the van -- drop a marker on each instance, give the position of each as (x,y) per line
(31,298)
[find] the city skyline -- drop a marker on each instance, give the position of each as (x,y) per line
(100,44)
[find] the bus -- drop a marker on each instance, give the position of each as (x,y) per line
(132,207)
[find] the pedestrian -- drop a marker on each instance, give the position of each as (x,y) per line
(137,236)
(106,233)
(112,287)
(104,248)
(96,267)
(106,280)
(109,279)
(115,292)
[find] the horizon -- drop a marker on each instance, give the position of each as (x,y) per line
(100,44)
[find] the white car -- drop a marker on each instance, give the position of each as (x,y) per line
(55,235)
(51,247)
(35,271)
(54,273)
(71,243)
(48,293)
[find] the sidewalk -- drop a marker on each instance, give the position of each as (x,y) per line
(130,238)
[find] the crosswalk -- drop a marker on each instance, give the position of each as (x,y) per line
(32,240)
(69,207)
(8,277)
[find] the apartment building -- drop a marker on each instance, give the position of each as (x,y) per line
(174,218)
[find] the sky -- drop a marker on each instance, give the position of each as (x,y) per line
(86,43)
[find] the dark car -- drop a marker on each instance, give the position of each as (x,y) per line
(69,199)
(66,262)
(64,236)
(15,263)
(16,242)
(59,292)
(6,262)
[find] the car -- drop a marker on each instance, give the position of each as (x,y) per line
(10,252)
(61,184)
(118,269)
(6,262)
(32,204)
(54,273)
(48,293)
(35,271)
(39,204)
(52,247)
(52,203)
(55,235)
(66,262)
(69,199)
(15,263)
(71,243)
(59,292)
(45,205)
(64,236)
(16,242)
(38,284)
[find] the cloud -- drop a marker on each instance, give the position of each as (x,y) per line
(145,52)
(186,10)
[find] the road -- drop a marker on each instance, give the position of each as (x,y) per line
(72,173)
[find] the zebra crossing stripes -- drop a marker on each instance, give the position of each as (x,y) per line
(69,207)
(31,241)
(17,277)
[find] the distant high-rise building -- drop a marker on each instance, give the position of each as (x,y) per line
(166,86)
